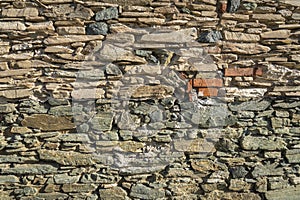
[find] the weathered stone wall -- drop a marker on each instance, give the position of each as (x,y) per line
(124,99)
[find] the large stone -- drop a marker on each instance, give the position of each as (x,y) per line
(268,17)
(68,11)
(241,37)
(114,193)
(210,36)
(250,106)
(66,157)
(26,12)
(106,14)
(290,193)
(53,40)
(51,196)
(8,26)
(233,5)
(15,94)
(217,194)
(102,122)
(16,72)
(65,179)
(205,165)
(98,28)
(41,26)
(7,108)
(267,170)
(249,49)
(255,143)
(143,192)
(157,91)
(34,169)
(290,2)
(48,122)
(8,179)
(78,188)
(238,172)
(276,34)
(293,156)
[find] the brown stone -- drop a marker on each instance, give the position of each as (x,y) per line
(268,17)
(15,94)
(16,72)
(13,25)
(249,49)
(158,91)
(113,194)
(290,193)
(276,34)
(53,40)
(207,82)
(241,37)
(48,122)
(78,187)
(290,2)
(26,12)
(71,30)
(41,26)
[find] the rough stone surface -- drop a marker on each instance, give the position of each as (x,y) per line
(98,28)
(106,14)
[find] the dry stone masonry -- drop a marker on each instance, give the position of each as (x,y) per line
(150,99)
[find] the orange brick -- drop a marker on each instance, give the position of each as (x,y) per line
(239,72)
(208,92)
(214,82)
(258,72)
(189,85)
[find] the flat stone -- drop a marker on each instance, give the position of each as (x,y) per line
(34,169)
(71,30)
(66,157)
(65,179)
(54,40)
(290,2)
(143,192)
(207,165)
(8,179)
(286,88)
(40,26)
(268,17)
(292,193)
(58,49)
(61,111)
(210,36)
(102,122)
(267,170)
(48,122)
(106,14)
(181,36)
(255,143)
(7,108)
(129,2)
(240,48)
(276,34)
(12,26)
(26,12)
(250,106)
(15,72)
(293,155)
(78,188)
(97,178)
(98,28)
(241,37)
(74,137)
(20,130)
(51,196)
(157,91)
(114,193)
(16,94)
(217,194)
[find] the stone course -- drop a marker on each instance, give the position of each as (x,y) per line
(149,99)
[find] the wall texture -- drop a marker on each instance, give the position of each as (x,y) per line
(125,99)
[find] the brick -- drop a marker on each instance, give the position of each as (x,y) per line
(215,82)
(243,72)
(208,92)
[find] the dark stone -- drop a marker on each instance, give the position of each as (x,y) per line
(233,5)
(238,172)
(210,36)
(98,28)
(106,14)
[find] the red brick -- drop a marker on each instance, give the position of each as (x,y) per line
(214,82)
(239,72)
(189,85)
(208,92)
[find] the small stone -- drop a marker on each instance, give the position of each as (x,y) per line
(78,188)
(71,30)
(268,17)
(8,179)
(97,178)
(98,28)
(114,193)
(239,185)
(143,192)
(233,5)
(293,156)
(157,91)
(210,36)
(241,37)
(20,130)
(113,70)
(255,143)
(102,122)
(41,26)
(106,14)
(61,111)
(238,172)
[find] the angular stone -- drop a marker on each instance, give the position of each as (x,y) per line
(41,26)
(16,94)
(66,157)
(98,28)
(143,192)
(249,48)
(48,122)
(106,14)
(210,36)
(71,30)
(292,193)
(34,169)
(7,108)
(276,34)
(241,37)
(53,40)
(250,106)
(157,91)
(26,12)
(255,143)
(20,130)
(102,122)
(286,88)
(114,193)
(217,194)
(12,26)
(267,170)
(58,49)
(78,188)
(233,5)
(65,179)
(238,172)
(14,159)
(181,36)
(4,48)
(293,156)
(239,185)
(207,165)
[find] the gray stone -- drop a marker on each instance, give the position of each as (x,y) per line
(255,143)
(78,188)
(267,170)
(61,111)
(233,5)
(66,157)
(97,178)
(30,169)
(57,102)
(250,106)
(249,5)
(102,122)
(114,193)
(210,36)
(98,28)
(7,108)
(143,192)
(293,155)
(51,196)
(113,70)
(64,179)
(32,107)
(291,193)
(8,179)
(26,191)
(106,14)
(238,172)
(74,137)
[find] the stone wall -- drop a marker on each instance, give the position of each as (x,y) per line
(125,99)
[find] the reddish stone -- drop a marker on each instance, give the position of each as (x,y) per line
(208,92)
(258,72)
(239,72)
(189,85)
(214,82)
